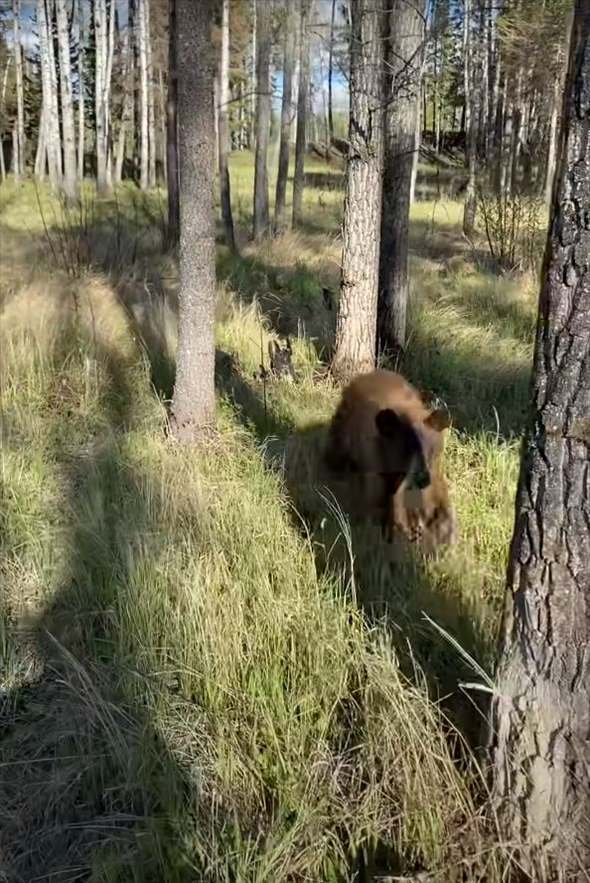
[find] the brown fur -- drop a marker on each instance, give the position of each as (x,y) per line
(389,444)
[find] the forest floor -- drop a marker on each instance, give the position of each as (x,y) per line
(205,672)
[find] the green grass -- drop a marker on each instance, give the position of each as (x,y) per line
(204,672)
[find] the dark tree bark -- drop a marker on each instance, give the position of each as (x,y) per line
(356,322)
(287,114)
(193,403)
(261,220)
(302,109)
(541,708)
(403,50)
(172,134)
(223,129)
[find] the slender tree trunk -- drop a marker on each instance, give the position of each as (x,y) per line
(302,111)
(287,114)
(19,159)
(2,161)
(193,403)
(416,157)
(541,707)
(104,30)
(49,131)
(150,98)
(126,109)
(356,322)
(172,134)
(70,183)
(261,221)
(81,94)
(552,150)
(403,52)
(330,74)
(223,122)
(162,114)
(144,158)
(253,75)
(471,104)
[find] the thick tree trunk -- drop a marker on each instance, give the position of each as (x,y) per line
(541,709)
(302,111)
(330,73)
(193,403)
(261,220)
(356,322)
(70,182)
(172,134)
(287,114)
(403,51)
(223,124)
(19,158)
(144,150)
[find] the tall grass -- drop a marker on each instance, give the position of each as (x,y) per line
(204,673)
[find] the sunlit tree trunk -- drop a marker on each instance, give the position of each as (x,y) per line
(144,149)
(70,180)
(19,157)
(356,322)
(541,706)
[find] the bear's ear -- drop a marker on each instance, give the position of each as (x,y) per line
(438,420)
(388,423)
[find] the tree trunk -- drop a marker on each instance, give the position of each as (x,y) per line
(126,109)
(403,52)
(302,110)
(81,93)
(162,114)
(70,183)
(193,403)
(472,114)
(287,114)
(150,98)
(330,74)
(223,124)
(261,220)
(253,74)
(104,30)
(172,134)
(356,322)
(144,156)
(49,141)
(541,707)
(19,159)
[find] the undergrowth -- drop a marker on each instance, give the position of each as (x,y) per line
(205,672)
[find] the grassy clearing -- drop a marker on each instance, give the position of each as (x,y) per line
(195,682)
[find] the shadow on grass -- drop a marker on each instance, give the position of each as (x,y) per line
(89,787)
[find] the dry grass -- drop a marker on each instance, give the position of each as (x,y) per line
(197,683)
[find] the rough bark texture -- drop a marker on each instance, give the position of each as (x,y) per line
(223,125)
(18,161)
(261,221)
(150,99)
(172,134)
(49,147)
(405,29)
(70,181)
(126,109)
(81,93)
(193,404)
(330,72)
(302,100)
(541,710)
(356,322)
(287,114)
